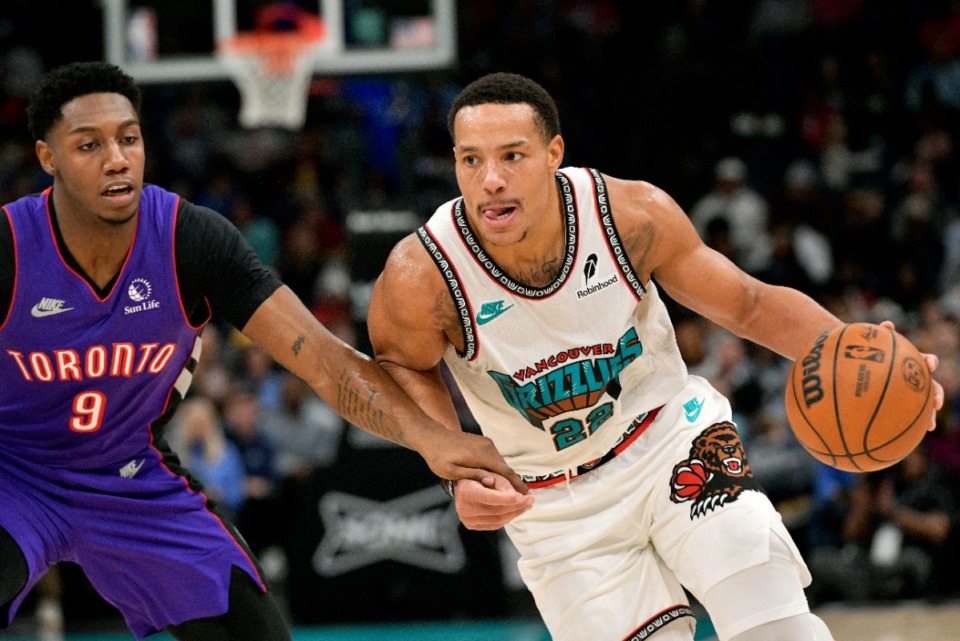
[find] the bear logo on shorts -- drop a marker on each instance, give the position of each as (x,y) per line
(715,473)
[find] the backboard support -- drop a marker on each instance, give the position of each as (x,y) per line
(382,36)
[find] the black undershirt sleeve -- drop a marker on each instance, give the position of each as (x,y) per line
(215,262)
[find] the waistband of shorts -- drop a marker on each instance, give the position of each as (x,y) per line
(637,427)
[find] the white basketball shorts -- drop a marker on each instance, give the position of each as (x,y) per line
(606,555)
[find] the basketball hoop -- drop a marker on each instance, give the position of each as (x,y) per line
(272,68)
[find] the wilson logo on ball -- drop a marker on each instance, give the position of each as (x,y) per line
(860,398)
(812,384)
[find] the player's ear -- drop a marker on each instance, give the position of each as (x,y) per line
(555,151)
(45,155)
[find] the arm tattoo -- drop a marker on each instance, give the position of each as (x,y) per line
(356,401)
(445,313)
(297,345)
(638,246)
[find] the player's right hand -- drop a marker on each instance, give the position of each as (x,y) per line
(933,362)
(457,455)
(483,507)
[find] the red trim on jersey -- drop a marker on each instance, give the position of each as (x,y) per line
(56,246)
(176,278)
(583,468)
(466,299)
(206,506)
(603,231)
(16,272)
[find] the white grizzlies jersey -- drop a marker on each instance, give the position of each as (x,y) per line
(555,375)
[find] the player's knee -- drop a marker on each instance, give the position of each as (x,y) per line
(743,605)
(802,627)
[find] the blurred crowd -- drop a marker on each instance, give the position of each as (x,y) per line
(813,142)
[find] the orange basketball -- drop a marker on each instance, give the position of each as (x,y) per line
(860,397)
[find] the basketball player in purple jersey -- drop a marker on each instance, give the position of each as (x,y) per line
(539,288)
(105,286)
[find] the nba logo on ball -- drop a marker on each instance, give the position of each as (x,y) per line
(859,398)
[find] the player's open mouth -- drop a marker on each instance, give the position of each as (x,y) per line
(117,190)
(498,213)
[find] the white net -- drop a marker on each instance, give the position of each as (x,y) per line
(273,77)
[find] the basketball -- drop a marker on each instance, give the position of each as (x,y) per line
(859,398)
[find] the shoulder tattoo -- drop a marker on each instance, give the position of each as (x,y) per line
(639,243)
(445,312)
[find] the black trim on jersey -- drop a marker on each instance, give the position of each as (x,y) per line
(671,614)
(613,237)
(214,262)
(568,202)
(456,292)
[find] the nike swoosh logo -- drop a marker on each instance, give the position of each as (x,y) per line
(36,312)
(130,470)
(692,409)
(482,318)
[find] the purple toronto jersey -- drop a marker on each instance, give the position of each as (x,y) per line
(84,377)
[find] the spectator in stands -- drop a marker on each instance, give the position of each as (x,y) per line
(895,536)
(743,208)
(212,378)
(260,371)
(198,438)
(944,442)
(301,259)
(935,79)
(830,503)
(261,232)
(781,465)
(304,431)
(803,220)
(258,516)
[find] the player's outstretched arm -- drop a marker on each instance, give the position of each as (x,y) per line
(411,320)
(363,393)
(663,243)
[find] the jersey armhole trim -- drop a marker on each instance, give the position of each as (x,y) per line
(612,236)
(454,286)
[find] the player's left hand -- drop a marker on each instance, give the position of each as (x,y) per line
(933,362)
(489,507)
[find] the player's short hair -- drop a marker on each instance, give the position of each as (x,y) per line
(509,89)
(63,84)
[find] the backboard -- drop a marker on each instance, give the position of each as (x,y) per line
(176,40)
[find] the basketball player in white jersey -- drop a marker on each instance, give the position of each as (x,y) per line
(536,287)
